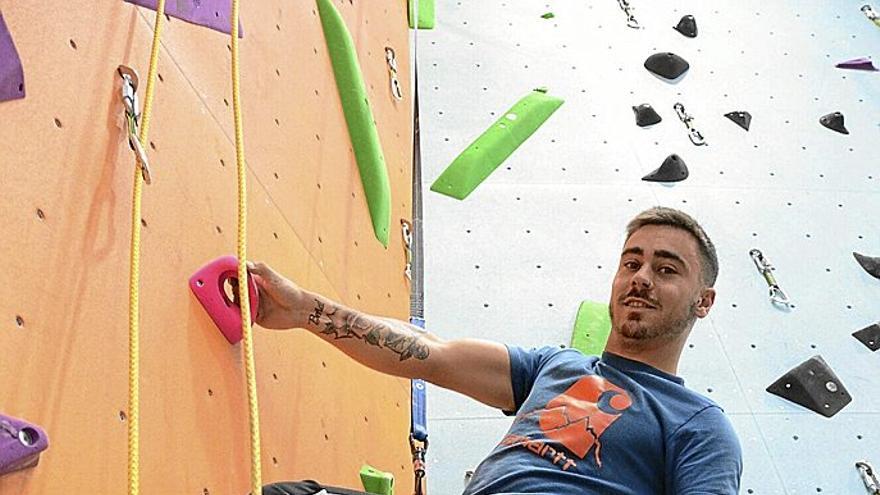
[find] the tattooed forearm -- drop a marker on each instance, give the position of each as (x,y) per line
(315,317)
(384,334)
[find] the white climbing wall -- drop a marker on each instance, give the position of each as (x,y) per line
(512,262)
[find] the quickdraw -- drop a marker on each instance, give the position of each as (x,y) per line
(866,472)
(695,136)
(630,17)
(777,295)
(132,118)
(396,91)
(406,228)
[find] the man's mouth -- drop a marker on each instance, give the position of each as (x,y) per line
(636,303)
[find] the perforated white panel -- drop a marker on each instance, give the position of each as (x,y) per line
(512,262)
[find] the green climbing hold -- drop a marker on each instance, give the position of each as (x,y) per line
(488,151)
(426,13)
(377,482)
(591,328)
(548,15)
(359,118)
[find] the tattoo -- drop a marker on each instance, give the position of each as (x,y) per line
(382,334)
(316,315)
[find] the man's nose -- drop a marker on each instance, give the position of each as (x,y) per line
(643,278)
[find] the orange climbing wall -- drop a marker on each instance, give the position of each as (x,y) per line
(66,172)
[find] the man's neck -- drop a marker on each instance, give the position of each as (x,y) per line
(661,355)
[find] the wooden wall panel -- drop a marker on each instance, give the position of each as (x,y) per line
(63,152)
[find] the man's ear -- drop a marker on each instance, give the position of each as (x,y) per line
(705,302)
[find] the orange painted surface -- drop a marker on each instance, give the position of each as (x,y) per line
(66,175)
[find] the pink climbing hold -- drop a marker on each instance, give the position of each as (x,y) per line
(208,285)
(20,444)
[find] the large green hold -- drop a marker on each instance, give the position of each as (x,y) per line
(359,118)
(376,482)
(591,328)
(489,150)
(426,13)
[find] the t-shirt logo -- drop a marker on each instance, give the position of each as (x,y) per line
(579,416)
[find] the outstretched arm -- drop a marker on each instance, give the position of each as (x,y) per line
(477,368)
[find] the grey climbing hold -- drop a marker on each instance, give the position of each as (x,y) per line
(742,119)
(834,121)
(814,385)
(673,169)
(646,115)
(869,263)
(667,65)
(687,26)
(870,336)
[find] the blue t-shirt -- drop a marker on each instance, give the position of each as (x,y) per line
(586,425)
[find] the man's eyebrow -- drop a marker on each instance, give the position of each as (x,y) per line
(661,253)
(633,250)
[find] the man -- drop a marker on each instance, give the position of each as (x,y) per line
(622,423)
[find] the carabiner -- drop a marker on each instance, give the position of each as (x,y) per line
(777,295)
(695,136)
(132,119)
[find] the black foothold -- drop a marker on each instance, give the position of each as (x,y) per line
(646,115)
(870,336)
(687,26)
(673,169)
(667,65)
(834,121)
(813,385)
(870,264)
(742,119)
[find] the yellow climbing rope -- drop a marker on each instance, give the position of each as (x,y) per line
(243,287)
(134,279)
(134,273)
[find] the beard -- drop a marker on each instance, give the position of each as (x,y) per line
(670,328)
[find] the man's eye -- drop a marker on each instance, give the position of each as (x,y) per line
(667,269)
(632,265)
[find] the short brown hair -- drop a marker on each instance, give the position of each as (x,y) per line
(671,217)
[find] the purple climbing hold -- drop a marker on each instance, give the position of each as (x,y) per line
(11,73)
(20,444)
(861,63)
(214,14)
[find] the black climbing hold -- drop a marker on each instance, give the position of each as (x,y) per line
(742,119)
(673,169)
(870,264)
(667,65)
(870,336)
(687,26)
(861,63)
(813,385)
(646,115)
(834,121)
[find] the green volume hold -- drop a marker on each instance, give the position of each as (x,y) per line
(426,13)
(591,328)
(359,118)
(490,150)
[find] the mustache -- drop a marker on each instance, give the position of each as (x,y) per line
(641,295)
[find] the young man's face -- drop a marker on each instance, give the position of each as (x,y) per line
(658,290)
